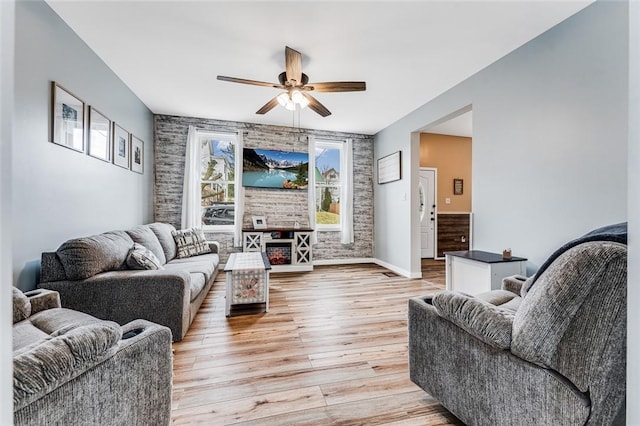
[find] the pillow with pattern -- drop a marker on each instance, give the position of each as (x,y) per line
(140,257)
(190,242)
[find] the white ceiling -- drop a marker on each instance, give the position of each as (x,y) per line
(408,52)
(457,126)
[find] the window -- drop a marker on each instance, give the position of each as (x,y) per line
(218,153)
(328,184)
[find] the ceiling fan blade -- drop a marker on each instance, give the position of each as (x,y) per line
(315,105)
(268,106)
(252,82)
(293,65)
(337,86)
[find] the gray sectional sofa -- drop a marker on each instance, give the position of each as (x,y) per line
(92,276)
(70,368)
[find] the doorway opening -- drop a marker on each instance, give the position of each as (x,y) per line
(446,148)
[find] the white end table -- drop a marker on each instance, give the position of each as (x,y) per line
(247,280)
(476,271)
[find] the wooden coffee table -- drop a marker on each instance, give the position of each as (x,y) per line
(247,280)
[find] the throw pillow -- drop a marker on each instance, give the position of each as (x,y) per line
(190,242)
(140,257)
(21,305)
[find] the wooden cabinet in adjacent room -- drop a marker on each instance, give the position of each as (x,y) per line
(454,232)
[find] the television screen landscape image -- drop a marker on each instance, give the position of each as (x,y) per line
(263,168)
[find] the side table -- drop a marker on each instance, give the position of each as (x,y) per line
(247,280)
(475,271)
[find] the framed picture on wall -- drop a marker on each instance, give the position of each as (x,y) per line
(457,186)
(390,168)
(99,135)
(137,155)
(67,118)
(259,222)
(120,146)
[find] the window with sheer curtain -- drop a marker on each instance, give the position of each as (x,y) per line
(332,208)
(217,180)
(328,184)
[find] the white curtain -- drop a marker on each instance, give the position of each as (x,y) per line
(239,192)
(191,192)
(312,188)
(346,193)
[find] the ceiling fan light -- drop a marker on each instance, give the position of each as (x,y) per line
(303,102)
(283,99)
(296,97)
(290,105)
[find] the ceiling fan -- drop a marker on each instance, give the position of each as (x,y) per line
(297,86)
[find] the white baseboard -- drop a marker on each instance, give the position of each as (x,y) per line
(356,260)
(344,261)
(399,271)
(348,261)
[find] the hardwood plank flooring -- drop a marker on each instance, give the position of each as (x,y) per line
(331,350)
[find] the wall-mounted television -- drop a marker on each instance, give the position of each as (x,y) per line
(264,168)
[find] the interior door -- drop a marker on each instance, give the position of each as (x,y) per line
(427,205)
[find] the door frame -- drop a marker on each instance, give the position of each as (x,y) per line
(435,213)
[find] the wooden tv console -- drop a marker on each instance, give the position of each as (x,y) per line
(288,250)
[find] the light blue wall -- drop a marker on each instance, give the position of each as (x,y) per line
(7,9)
(549,143)
(59,193)
(633,310)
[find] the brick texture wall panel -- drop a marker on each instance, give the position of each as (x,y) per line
(281,207)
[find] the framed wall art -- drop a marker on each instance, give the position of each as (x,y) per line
(99,135)
(390,168)
(120,146)
(67,118)
(137,155)
(457,186)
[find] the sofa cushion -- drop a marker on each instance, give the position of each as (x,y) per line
(481,319)
(198,281)
(85,257)
(144,236)
(21,305)
(190,242)
(47,365)
(164,233)
(504,299)
(206,264)
(25,334)
(140,257)
(45,324)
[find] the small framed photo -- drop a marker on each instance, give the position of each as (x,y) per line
(259,222)
(137,155)
(120,146)
(67,118)
(457,187)
(99,135)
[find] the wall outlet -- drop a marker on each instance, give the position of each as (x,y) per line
(447,200)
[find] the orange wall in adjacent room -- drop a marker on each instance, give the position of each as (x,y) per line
(451,155)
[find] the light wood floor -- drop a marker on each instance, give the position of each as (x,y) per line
(332,350)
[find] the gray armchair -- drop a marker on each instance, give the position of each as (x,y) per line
(70,368)
(547,351)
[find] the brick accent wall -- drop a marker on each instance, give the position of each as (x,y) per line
(281,208)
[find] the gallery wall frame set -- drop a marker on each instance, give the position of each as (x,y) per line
(97,135)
